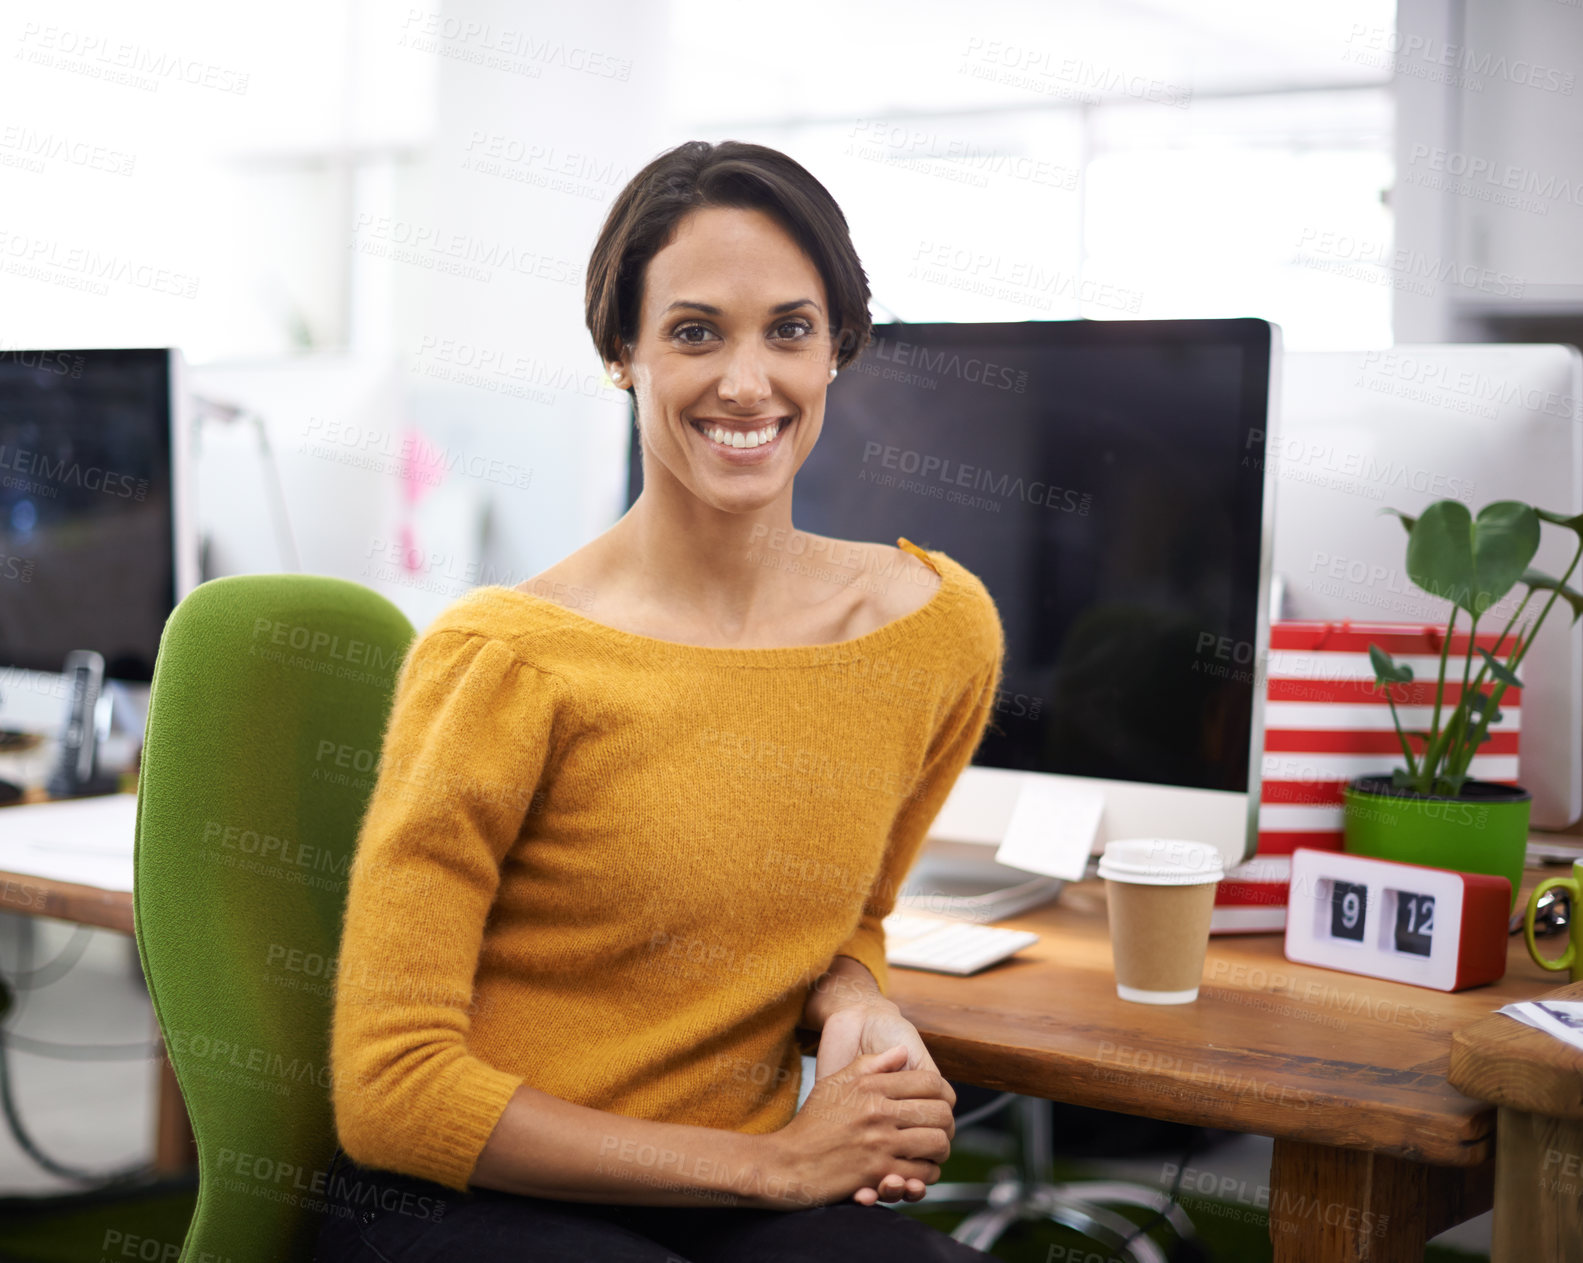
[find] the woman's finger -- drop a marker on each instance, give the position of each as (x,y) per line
(912,1190)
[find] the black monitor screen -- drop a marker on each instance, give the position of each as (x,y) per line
(1105,480)
(86,516)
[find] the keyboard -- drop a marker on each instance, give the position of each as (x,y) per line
(946,945)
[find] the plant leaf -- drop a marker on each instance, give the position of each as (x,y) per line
(1386,668)
(1480,702)
(1401,778)
(1407,518)
(1472,563)
(1499,669)
(1538,579)
(1571,523)
(1440,551)
(1505,539)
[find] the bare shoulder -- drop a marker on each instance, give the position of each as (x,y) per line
(901,582)
(572,582)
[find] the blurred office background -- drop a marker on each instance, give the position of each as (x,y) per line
(365,222)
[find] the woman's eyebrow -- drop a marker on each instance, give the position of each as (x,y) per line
(779,309)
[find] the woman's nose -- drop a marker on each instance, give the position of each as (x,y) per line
(744,379)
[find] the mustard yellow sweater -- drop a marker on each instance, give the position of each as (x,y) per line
(611,866)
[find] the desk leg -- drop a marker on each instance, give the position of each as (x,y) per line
(1538,1188)
(1331,1205)
(175,1150)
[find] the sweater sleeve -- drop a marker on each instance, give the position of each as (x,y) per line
(467,740)
(950,750)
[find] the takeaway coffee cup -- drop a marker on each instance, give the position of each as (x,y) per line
(1161,892)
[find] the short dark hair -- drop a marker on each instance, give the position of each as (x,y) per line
(696,174)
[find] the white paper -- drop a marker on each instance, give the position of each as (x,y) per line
(1052,828)
(84,840)
(1561,1018)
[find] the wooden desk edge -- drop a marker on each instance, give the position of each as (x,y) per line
(1508,1063)
(1002,1069)
(66,901)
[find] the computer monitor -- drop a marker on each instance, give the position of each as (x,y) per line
(1105,480)
(96,539)
(1401,428)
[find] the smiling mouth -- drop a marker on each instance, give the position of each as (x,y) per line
(742,440)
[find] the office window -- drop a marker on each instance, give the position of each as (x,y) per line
(1248,208)
(1122,211)
(1179,160)
(177,175)
(1002,162)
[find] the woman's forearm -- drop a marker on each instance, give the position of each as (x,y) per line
(847,982)
(544,1146)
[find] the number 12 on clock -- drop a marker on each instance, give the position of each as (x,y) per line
(1415,923)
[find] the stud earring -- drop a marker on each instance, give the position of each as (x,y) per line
(832,372)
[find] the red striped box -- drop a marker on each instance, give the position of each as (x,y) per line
(1324,724)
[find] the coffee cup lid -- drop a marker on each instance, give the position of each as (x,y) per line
(1161,862)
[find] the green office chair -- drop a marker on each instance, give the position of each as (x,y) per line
(266,718)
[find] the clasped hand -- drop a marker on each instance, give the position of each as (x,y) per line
(873,1027)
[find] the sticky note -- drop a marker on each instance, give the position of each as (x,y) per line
(1052,828)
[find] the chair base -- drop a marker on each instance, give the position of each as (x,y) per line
(1021,1192)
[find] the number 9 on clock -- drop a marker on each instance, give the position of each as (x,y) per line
(1349,902)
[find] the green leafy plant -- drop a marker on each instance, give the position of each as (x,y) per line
(1472,562)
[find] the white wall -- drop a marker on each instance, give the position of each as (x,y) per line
(465,321)
(1489,165)
(565,141)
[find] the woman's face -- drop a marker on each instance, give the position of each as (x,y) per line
(733,339)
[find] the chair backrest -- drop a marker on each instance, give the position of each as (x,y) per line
(266,718)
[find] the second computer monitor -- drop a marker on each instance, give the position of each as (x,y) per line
(97,543)
(1401,428)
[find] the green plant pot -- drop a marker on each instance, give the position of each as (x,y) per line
(1482,830)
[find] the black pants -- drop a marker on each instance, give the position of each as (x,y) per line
(382,1217)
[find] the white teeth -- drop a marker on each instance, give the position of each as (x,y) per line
(739,438)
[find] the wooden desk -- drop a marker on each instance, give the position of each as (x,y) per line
(1375,1151)
(1536,1083)
(175,1150)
